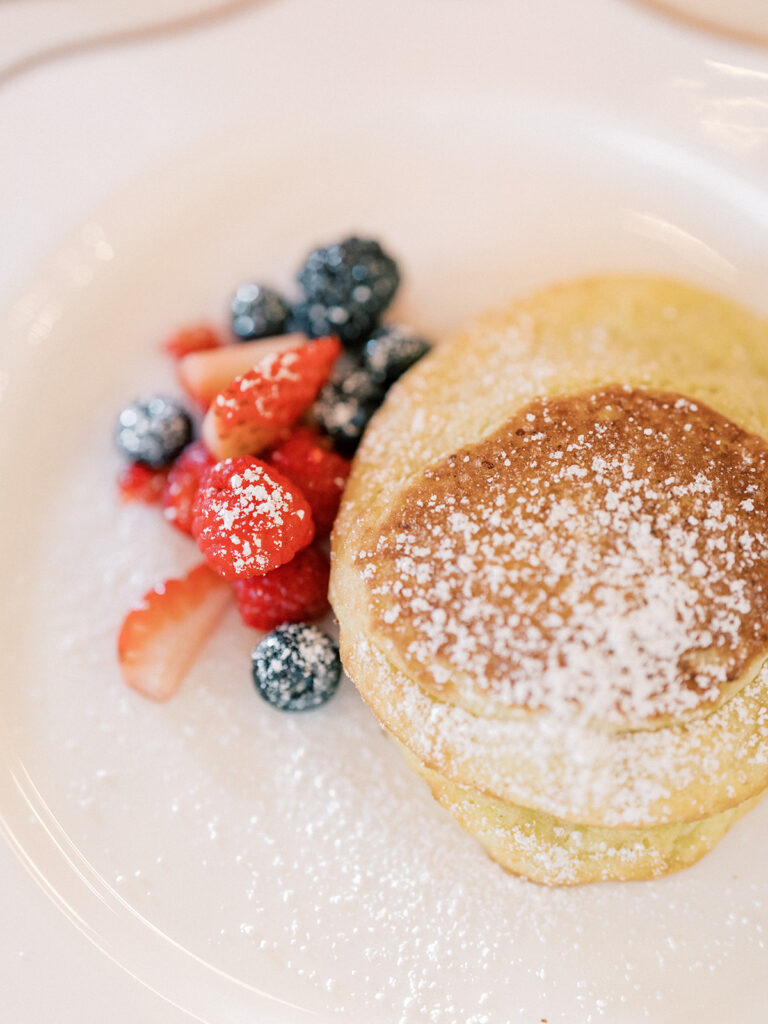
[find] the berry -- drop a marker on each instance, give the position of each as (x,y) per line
(347,403)
(295,592)
(342,417)
(197,338)
(137,482)
(248,518)
(204,374)
(257,408)
(346,286)
(296,667)
(257,311)
(159,638)
(321,474)
(316,320)
(392,350)
(353,380)
(153,431)
(183,484)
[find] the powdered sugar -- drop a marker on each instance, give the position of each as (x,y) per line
(265,377)
(603,553)
(247,515)
(633,779)
(254,501)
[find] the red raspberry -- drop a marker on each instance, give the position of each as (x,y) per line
(195,338)
(138,482)
(255,409)
(248,518)
(321,474)
(183,483)
(296,592)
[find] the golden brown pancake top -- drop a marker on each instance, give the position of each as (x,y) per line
(602,553)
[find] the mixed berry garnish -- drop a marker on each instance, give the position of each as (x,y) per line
(258,311)
(137,482)
(346,288)
(347,403)
(153,431)
(296,592)
(182,484)
(258,491)
(193,338)
(248,518)
(306,458)
(392,350)
(296,667)
(259,407)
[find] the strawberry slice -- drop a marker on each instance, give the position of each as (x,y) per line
(204,374)
(193,338)
(161,637)
(255,410)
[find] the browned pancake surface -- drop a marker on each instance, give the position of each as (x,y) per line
(602,553)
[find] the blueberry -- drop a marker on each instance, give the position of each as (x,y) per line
(347,403)
(346,288)
(344,419)
(352,380)
(258,311)
(296,667)
(392,350)
(153,431)
(349,323)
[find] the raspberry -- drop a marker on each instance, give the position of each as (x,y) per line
(321,474)
(248,518)
(138,482)
(296,592)
(195,338)
(183,483)
(254,411)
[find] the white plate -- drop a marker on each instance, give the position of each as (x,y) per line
(744,19)
(250,866)
(34,32)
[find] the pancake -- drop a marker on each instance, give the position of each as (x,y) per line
(619,532)
(548,850)
(550,568)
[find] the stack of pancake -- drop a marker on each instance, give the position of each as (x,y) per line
(551,575)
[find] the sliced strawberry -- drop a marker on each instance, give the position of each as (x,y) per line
(248,519)
(161,637)
(254,411)
(295,592)
(321,474)
(204,374)
(138,482)
(183,483)
(194,338)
